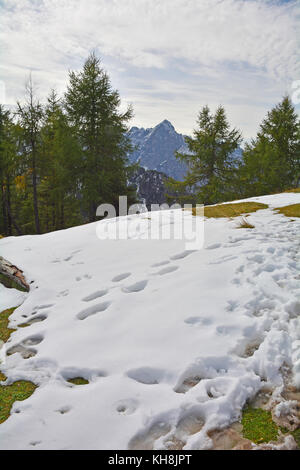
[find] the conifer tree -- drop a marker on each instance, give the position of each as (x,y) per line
(211,162)
(92,107)
(59,185)
(30,118)
(272,159)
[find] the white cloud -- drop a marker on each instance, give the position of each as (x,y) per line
(231,46)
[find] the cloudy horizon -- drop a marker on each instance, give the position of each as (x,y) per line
(168,59)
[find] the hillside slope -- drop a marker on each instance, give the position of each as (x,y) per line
(172,342)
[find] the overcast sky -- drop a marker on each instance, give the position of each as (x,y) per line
(166,57)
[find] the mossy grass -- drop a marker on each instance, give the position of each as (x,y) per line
(78,381)
(258,425)
(244,224)
(10,283)
(5,332)
(231,210)
(290,211)
(296,436)
(18,391)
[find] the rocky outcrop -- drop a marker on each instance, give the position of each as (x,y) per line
(13,273)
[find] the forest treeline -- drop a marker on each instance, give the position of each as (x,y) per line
(217,171)
(60,160)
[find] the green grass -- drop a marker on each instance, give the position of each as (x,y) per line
(245,224)
(290,211)
(258,425)
(5,332)
(296,436)
(78,381)
(18,391)
(231,210)
(295,190)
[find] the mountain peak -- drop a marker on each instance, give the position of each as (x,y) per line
(167,124)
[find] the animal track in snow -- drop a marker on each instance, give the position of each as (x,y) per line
(137,287)
(121,277)
(93,310)
(95,295)
(168,270)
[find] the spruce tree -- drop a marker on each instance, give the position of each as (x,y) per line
(59,185)
(211,162)
(92,107)
(272,160)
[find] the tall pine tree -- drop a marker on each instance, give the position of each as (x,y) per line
(60,171)
(92,108)
(211,162)
(272,160)
(30,119)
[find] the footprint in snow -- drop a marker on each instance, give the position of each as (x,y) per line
(137,287)
(146,375)
(182,255)
(167,270)
(43,307)
(95,295)
(93,310)
(121,277)
(157,265)
(214,247)
(200,321)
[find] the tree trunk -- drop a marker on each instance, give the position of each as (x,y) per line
(35,196)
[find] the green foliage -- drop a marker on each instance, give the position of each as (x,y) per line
(272,160)
(58,162)
(92,108)
(258,425)
(211,165)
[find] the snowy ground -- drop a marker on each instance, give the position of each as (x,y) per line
(172,342)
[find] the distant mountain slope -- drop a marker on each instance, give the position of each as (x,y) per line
(150,186)
(156,149)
